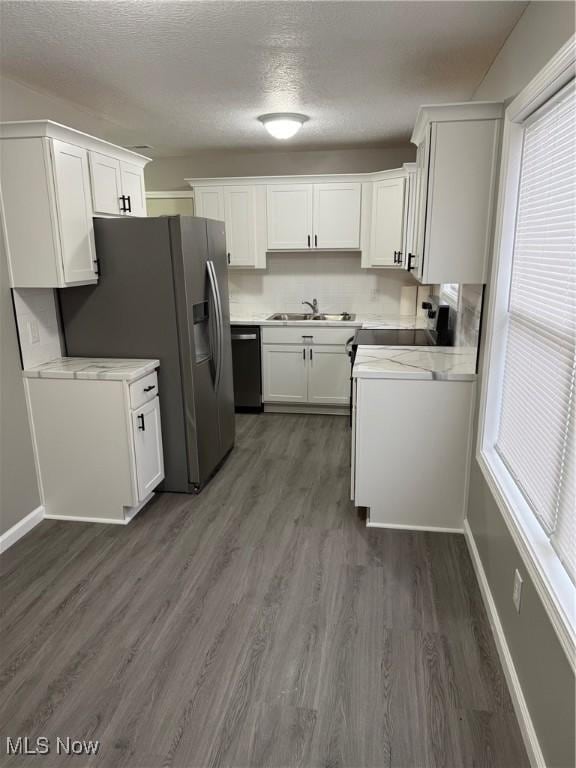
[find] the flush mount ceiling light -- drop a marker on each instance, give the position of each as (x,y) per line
(283,125)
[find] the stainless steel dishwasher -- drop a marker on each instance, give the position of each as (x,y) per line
(247,367)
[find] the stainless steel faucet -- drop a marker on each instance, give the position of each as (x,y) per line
(313,306)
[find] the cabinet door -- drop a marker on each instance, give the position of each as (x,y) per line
(148,447)
(461,180)
(421,195)
(289,216)
(284,373)
(409,217)
(337,215)
(106,183)
(72,186)
(388,223)
(133,187)
(328,375)
(209,202)
(240,221)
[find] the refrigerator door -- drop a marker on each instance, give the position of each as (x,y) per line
(198,319)
(225,390)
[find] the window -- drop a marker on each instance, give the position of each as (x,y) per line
(527,440)
(536,430)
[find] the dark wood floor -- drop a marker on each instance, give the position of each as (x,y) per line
(258,624)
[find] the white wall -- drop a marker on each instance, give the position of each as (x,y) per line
(168,173)
(21,102)
(542,29)
(37,320)
(335,279)
(19,493)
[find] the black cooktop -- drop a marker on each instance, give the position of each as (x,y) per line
(395,337)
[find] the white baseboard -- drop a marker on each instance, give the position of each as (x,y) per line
(22,527)
(319,410)
(129,514)
(519,702)
(400,527)
(78,519)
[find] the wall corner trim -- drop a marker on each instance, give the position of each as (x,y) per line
(21,528)
(519,702)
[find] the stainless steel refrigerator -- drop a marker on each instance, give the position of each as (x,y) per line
(163,293)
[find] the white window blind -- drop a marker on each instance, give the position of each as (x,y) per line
(537,432)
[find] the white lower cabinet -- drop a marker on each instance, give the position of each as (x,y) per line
(328,375)
(411,443)
(306,366)
(148,447)
(284,373)
(97,442)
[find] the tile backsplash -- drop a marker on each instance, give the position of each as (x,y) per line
(38,327)
(335,279)
(466,312)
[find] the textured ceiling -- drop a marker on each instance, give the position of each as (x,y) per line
(184,76)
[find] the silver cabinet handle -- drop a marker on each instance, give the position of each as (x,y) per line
(311,353)
(244,337)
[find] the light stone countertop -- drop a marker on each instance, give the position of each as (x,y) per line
(92,368)
(241,317)
(422,363)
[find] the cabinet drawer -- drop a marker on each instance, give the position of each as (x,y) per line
(143,390)
(306,334)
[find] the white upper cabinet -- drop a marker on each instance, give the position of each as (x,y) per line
(242,208)
(337,215)
(240,221)
(133,189)
(290,222)
(388,225)
(53,181)
(72,184)
(106,184)
(323,216)
(409,214)
(458,148)
(117,186)
(209,202)
(432,217)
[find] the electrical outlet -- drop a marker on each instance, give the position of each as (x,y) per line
(33,331)
(517,590)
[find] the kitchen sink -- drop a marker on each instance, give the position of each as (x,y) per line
(291,316)
(341,317)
